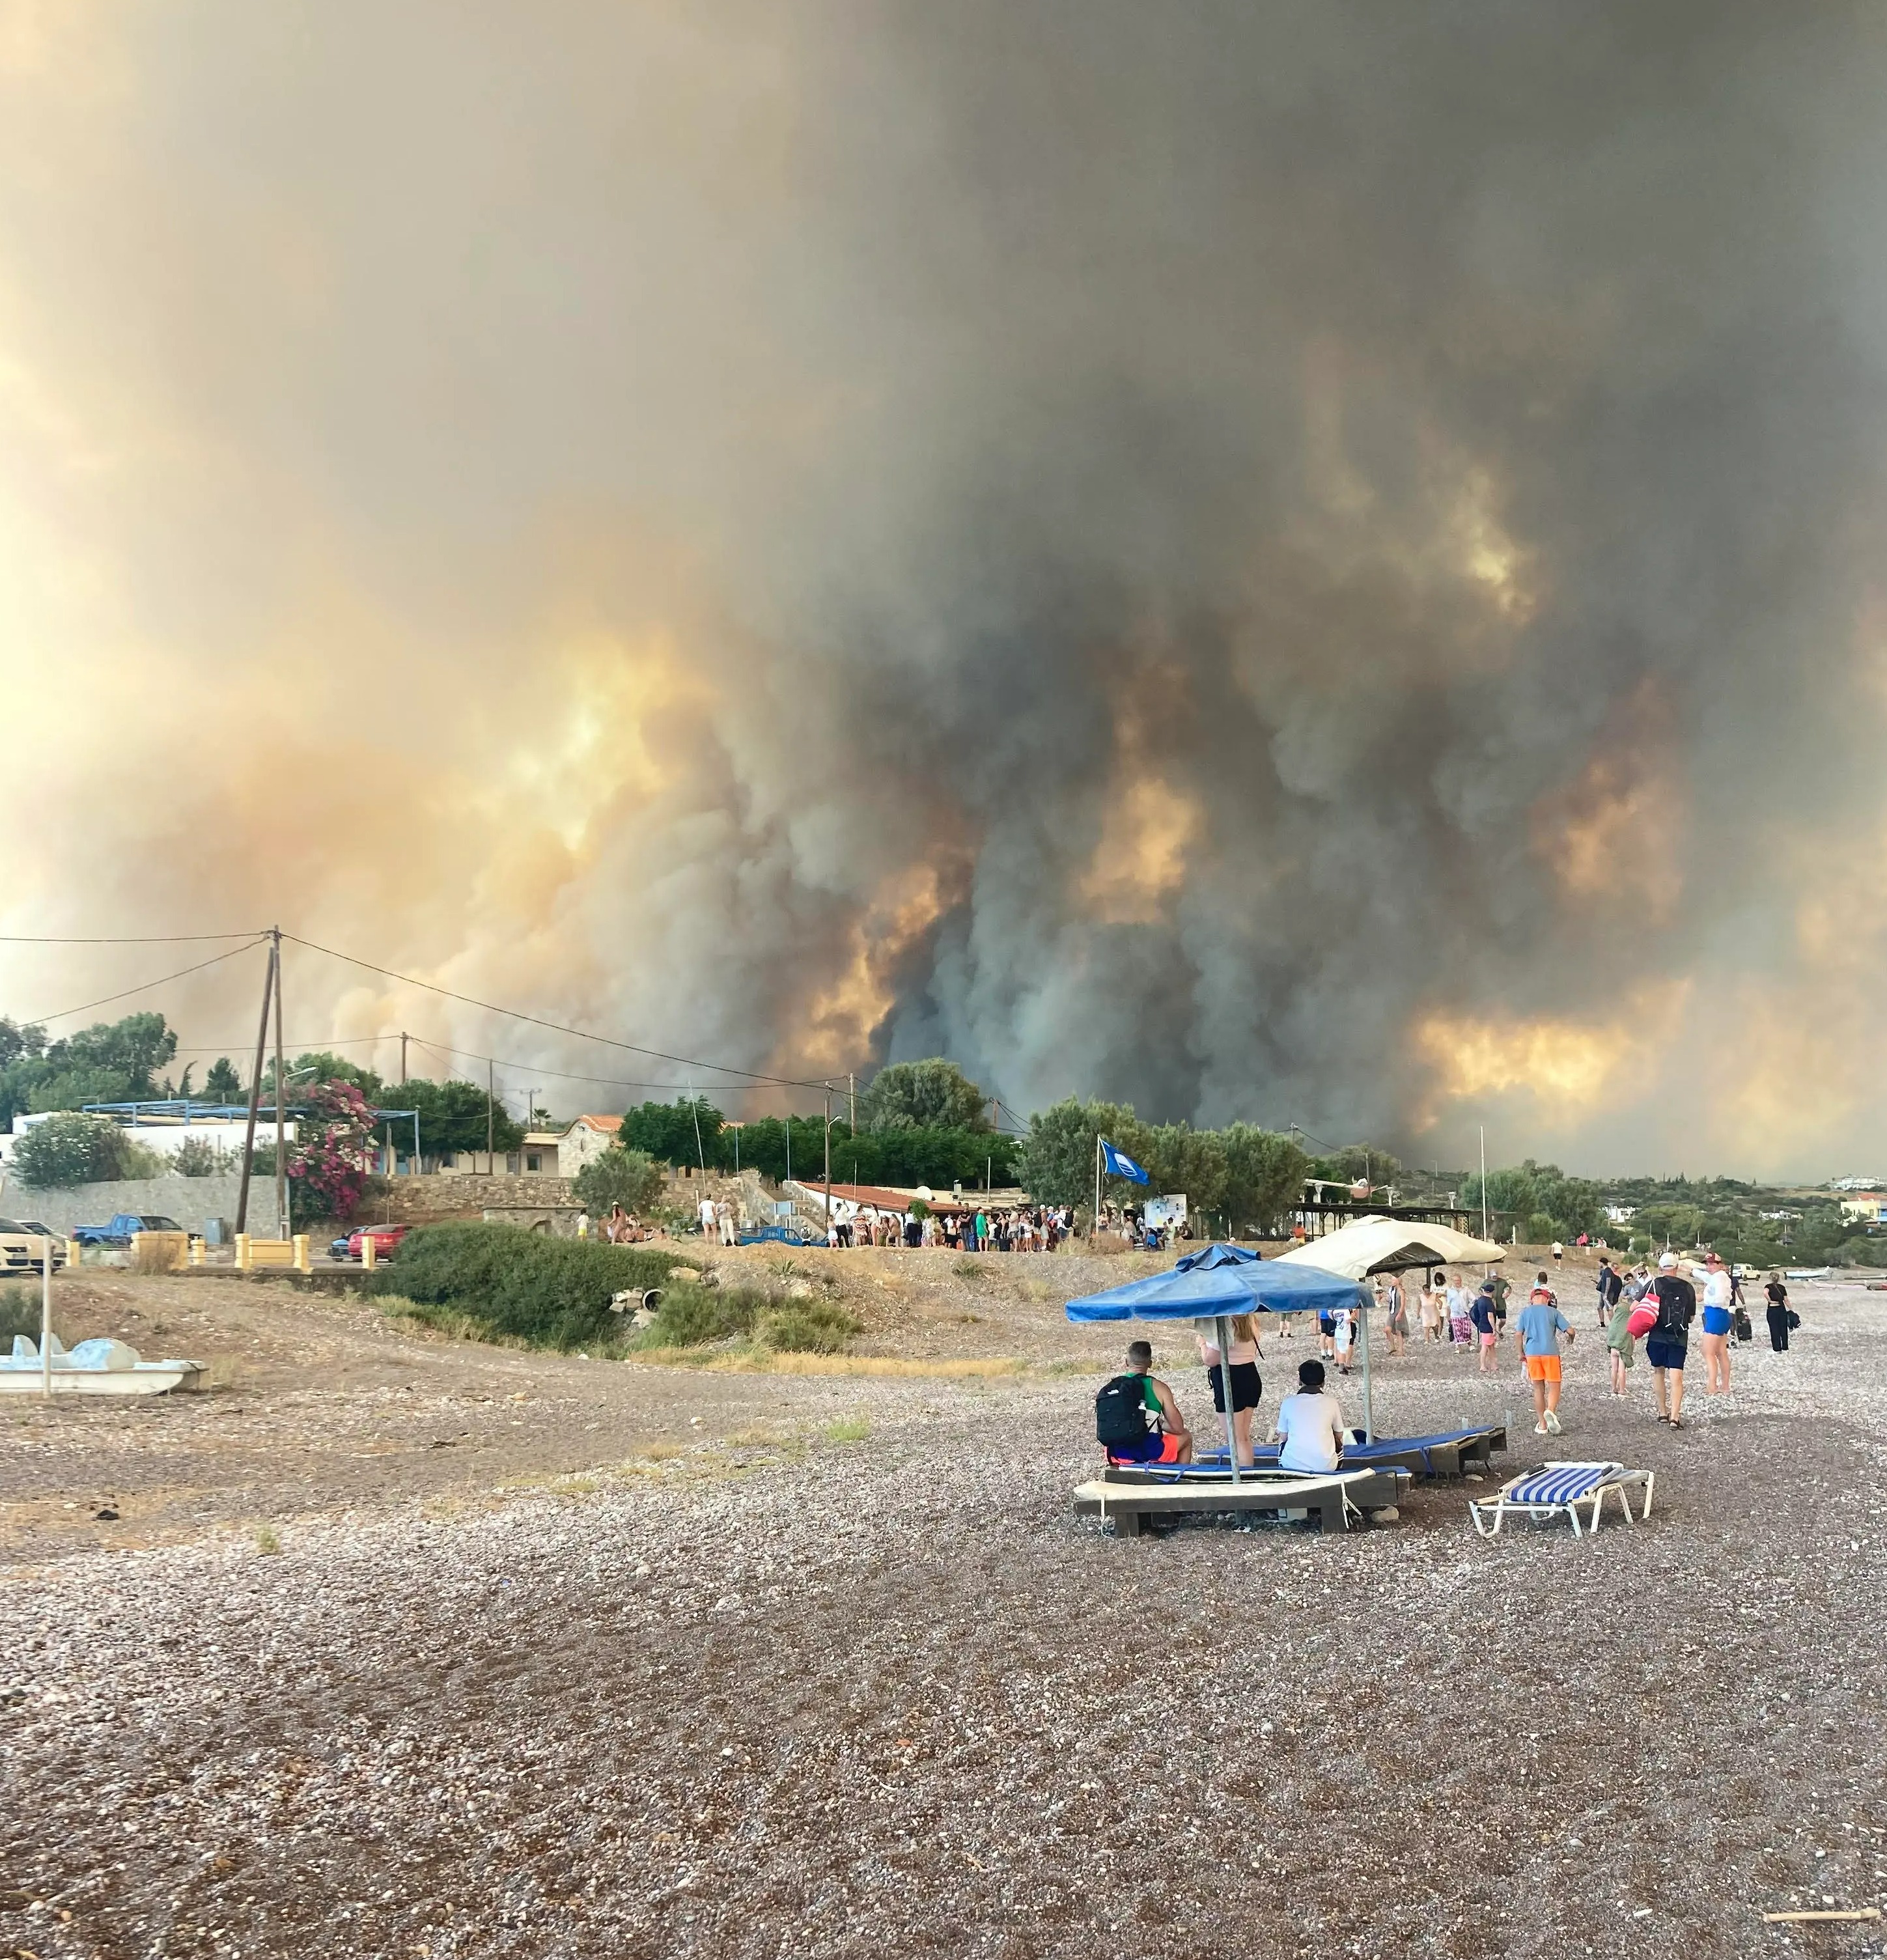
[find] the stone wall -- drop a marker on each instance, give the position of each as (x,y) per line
(189,1200)
(419,1201)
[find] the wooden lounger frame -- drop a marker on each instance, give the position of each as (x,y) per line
(1132,1498)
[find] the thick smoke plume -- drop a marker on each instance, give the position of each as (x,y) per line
(1312,563)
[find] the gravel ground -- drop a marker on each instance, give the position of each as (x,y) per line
(662,1660)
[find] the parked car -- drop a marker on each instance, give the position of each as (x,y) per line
(386,1239)
(776,1235)
(123,1224)
(342,1248)
(20,1246)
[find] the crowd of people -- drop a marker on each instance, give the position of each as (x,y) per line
(1664,1308)
(1015,1228)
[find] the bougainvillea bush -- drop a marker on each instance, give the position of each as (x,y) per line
(329,1159)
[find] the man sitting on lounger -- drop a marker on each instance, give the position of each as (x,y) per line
(1136,1418)
(1310,1424)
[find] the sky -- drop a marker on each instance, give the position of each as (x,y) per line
(1315,564)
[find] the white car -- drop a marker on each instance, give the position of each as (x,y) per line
(20,1248)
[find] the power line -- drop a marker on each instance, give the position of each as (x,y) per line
(149,939)
(555,1027)
(145,987)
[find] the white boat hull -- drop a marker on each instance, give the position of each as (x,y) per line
(148,1378)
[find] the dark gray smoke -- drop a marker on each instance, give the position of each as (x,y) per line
(1308,563)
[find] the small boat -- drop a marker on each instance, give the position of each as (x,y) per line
(1809,1273)
(98,1367)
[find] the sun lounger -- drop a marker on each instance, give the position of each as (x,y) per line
(1450,1453)
(1558,1490)
(1130,1498)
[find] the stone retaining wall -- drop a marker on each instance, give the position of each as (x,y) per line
(189,1200)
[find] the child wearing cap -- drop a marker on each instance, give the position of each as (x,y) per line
(1541,1324)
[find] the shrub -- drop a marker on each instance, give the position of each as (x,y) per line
(202,1156)
(19,1313)
(631,1179)
(690,1316)
(74,1148)
(548,1293)
(807,1327)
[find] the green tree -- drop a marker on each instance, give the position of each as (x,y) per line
(222,1083)
(932,1095)
(631,1179)
(1263,1177)
(1056,1160)
(667,1131)
(136,1047)
(452,1117)
(319,1066)
(1182,1159)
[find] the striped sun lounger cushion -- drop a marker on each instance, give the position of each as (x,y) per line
(1564,1484)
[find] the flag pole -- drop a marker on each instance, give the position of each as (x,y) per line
(1094,1219)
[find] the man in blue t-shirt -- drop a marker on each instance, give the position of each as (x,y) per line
(1540,1324)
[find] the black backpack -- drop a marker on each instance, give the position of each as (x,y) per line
(1120,1412)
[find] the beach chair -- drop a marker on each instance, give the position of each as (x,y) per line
(1133,1498)
(1558,1490)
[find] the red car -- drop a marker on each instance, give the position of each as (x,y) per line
(386,1239)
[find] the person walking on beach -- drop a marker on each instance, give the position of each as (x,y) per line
(1718,1315)
(1620,1344)
(1481,1314)
(1503,1286)
(1777,1312)
(1431,1311)
(1541,1324)
(1460,1321)
(1610,1286)
(1666,1344)
(1396,1318)
(1345,1336)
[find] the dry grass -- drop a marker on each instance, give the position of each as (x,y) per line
(765,1361)
(222,1371)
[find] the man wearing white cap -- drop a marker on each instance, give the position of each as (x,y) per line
(1665,1345)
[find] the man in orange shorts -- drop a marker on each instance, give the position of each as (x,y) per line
(1136,1418)
(1541,1324)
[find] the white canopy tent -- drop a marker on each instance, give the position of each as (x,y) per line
(1366,1246)
(1369,1245)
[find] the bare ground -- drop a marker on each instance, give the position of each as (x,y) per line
(559,1657)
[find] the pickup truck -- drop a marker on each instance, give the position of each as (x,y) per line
(123,1224)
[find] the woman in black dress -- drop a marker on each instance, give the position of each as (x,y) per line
(1777,1295)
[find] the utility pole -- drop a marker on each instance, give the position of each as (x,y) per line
(282,1087)
(402,1057)
(828,1163)
(851,1090)
(255,1095)
(491,1115)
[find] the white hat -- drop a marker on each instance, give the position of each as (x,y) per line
(1669,1263)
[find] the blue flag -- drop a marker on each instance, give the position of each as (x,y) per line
(1120,1165)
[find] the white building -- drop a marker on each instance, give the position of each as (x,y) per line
(166,1136)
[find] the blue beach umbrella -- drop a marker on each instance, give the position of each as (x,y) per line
(1224,1280)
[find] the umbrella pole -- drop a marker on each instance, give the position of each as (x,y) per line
(1369,1400)
(1225,1377)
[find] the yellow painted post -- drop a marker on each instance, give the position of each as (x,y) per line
(243,1264)
(367,1250)
(301,1253)
(196,1251)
